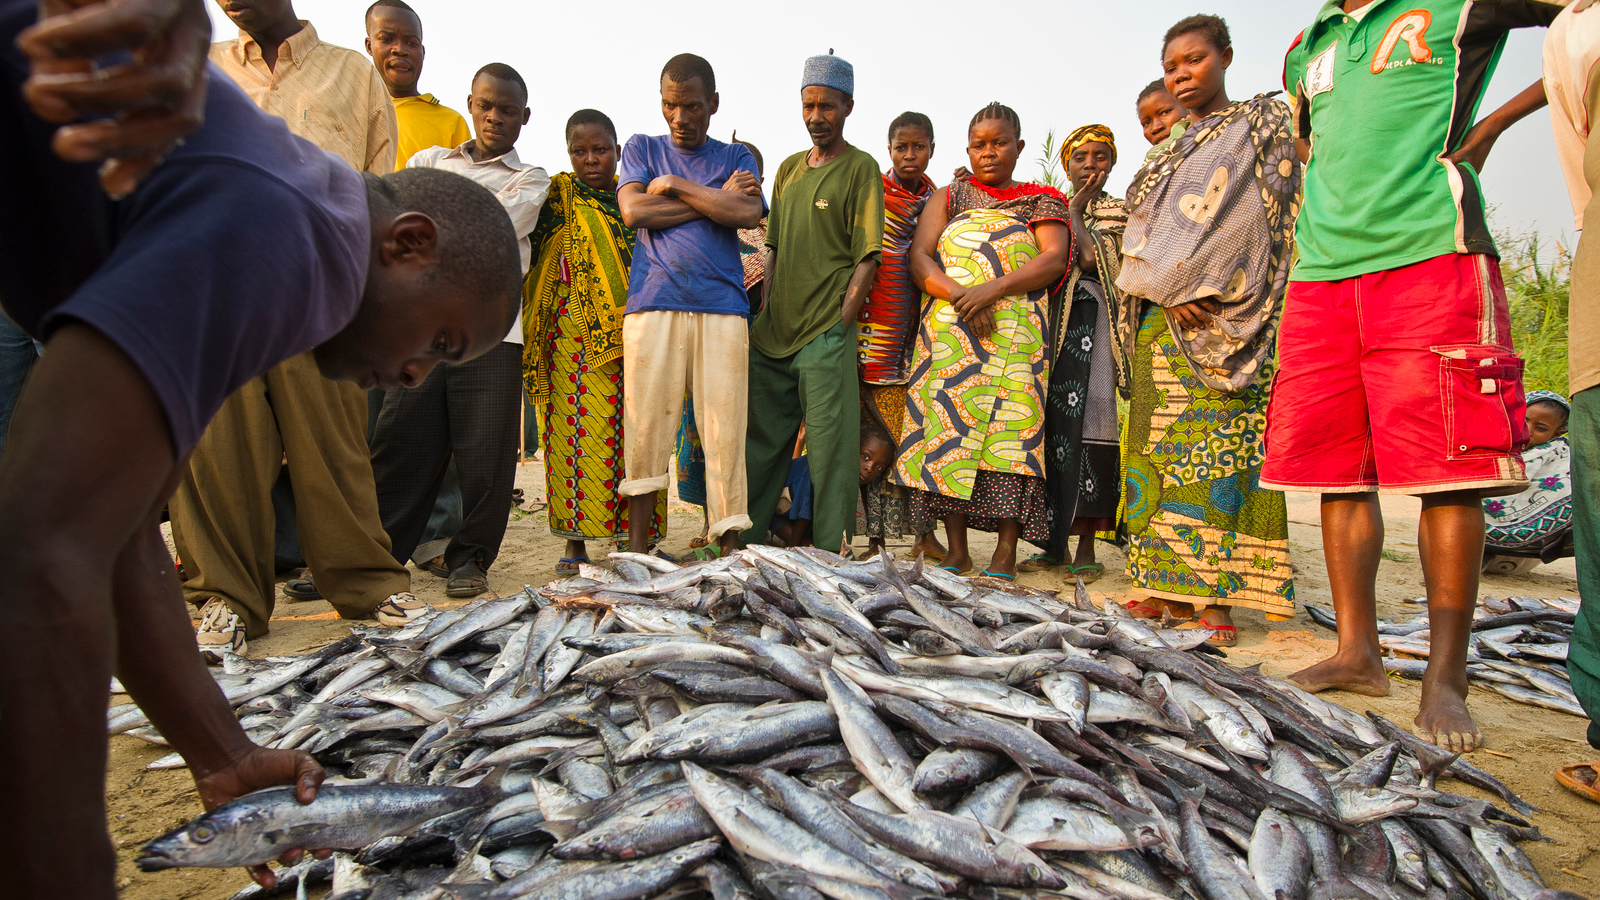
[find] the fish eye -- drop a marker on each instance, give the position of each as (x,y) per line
(202,834)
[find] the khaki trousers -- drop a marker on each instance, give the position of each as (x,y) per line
(666,353)
(222,520)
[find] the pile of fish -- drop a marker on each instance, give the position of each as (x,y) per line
(791,725)
(1519,648)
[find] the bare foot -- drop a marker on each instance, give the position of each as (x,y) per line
(1004,561)
(1336,673)
(1442,718)
(961,563)
(928,546)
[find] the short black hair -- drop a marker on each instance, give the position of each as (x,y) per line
(478,249)
(761,164)
(998,110)
(1155,87)
(391,4)
(686,67)
(504,73)
(909,119)
(1566,413)
(1212,28)
(591,117)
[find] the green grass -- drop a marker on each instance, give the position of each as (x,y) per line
(1538,293)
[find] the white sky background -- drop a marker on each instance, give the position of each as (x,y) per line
(1059,63)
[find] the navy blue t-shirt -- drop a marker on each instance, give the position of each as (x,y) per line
(245,247)
(693,267)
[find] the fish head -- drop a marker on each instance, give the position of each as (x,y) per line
(207,841)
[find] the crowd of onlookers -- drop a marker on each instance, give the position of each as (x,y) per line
(1296,293)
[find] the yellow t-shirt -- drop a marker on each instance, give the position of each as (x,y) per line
(425,122)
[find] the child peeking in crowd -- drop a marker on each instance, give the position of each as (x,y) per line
(793,526)
(1538,521)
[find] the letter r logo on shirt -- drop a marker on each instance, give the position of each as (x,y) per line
(1411,27)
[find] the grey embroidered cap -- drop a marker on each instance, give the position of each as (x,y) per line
(830,71)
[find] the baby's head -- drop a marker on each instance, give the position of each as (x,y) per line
(1547,417)
(1158,112)
(877,454)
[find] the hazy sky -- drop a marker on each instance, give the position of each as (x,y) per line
(1060,64)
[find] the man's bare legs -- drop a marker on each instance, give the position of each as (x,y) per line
(1450,538)
(1352,544)
(642,508)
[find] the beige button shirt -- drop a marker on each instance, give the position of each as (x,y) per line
(1572,82)
(329,95)
(521,189)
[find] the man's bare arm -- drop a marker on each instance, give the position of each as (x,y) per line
(738,207)
(641,209)
(93,581)
(855,293)
(1475,147)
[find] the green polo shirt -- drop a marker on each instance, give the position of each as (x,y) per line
(1384,97)
(824,222)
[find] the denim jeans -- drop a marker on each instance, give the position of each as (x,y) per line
(17,353)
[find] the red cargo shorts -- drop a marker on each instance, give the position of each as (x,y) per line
(1402,381)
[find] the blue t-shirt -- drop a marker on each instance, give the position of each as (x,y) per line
(693,267)
(245,247)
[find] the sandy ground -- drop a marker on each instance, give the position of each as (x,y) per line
(1524,744)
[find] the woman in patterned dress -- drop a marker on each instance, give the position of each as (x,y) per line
(572,364)
(1083,474)
(988,251)
(888,327)
(1206,259)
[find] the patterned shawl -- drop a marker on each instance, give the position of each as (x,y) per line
(1212,216)
(583,251)
(893,307)
(1106,218)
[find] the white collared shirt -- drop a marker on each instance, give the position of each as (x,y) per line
(521,189)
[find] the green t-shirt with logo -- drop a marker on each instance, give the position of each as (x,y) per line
(1384,97)
(824,222)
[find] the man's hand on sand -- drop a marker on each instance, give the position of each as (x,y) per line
(154,102)
(257,768)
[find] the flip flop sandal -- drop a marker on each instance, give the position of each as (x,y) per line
(953,570)
(568,565)
(1039,562)
(1003,576)
(708,553)
(1144,609)
(301,589)
(1581,779)
(697,543)
(1089,572)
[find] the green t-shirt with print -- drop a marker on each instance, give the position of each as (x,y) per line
(1384,97)
(824,222)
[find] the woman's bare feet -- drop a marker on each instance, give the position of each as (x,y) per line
(1342,672)
(961,563)
(928,546)
(1442,716)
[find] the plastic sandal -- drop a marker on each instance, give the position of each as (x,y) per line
(1581,779)
(1000,575)
(568,565)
